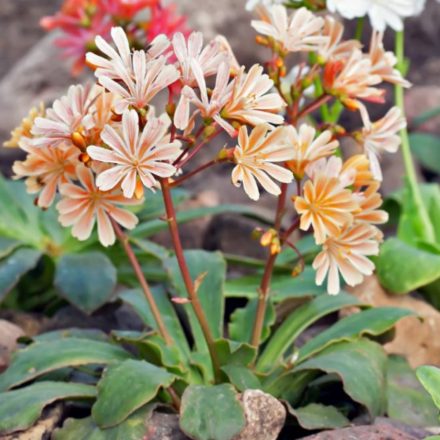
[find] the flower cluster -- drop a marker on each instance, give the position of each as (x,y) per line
(82,20)
(152,110)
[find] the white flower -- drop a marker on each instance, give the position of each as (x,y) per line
(301,31)
(382,13)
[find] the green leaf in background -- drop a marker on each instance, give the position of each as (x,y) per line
(151,227)
(13,267)
(126,387)
(210,269)
(425,116)
(426,148)
(87,280)
(374,322)
(402,268)
(43,357)
(361,366)
(297,322)
(7,246)
(306,246)
(316,416)
(134,428)
(430,378)
(19,409)
(137,300)
(407,400)
(211,412)
(283,286)
(242,322)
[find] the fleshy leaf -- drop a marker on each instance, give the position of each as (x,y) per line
(87,280)
(211,412)
(126,387)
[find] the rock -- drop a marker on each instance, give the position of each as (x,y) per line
(163,426)
(40,76)
(411,430)
(9,333)
(364,433)
(265,416)
(44,427)
(413,334)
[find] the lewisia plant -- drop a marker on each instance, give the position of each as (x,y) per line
(104,147)
(101,146)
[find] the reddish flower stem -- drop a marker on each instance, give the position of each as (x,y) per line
(267,276)
(189,284)
(201,168)
(196,149)
(323,99)
(143,282)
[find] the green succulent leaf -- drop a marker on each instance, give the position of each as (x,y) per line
(126,387)
(407,400)
(14,266)
(396,262)
(211,412)
(316,416)
(242,377)
(374,322)
(133,428)
(8,245)
(87,280)
(430,378)
(43,357)
(137,300)
(209,269)
(361,366)
(297,322)
(242,322)
(19,409)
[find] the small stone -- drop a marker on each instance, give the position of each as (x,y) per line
(265,416)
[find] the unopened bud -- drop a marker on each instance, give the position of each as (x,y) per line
(139,190)
(84,158)
(275,246)
(178,300)
(259,39)
(78,140)
(170,109)
(298,269)
(267,238)
(209,131)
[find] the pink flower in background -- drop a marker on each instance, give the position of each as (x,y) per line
(125,9)
(165,20)
(84,205)
(142,155)
(68,115)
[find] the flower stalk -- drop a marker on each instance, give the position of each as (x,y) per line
(123,238)
(186,276)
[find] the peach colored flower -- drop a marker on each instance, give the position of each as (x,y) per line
(250,101)
(68,115)
(302,31)
(192,52)
(351,79)
(326,206)
(347,254)
(359,167)
(369,200)
(225,48)
(24,129)
(84,205)
(307,149)
(46,168)
(135,77)
(381,136)
(256,156)
(135,154)
(383,63)
(335,47)
(207,106)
